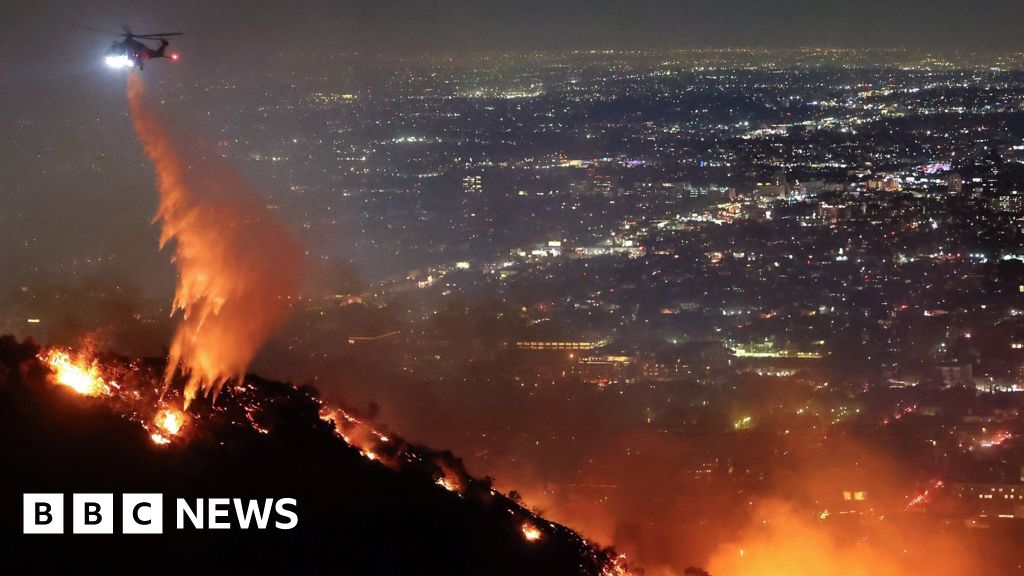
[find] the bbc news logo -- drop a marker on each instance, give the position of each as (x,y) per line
(143,513)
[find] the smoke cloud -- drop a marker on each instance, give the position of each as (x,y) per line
(238,267)
(782,540)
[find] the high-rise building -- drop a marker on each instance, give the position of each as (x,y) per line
(472,195)
(774,188)
(955,183)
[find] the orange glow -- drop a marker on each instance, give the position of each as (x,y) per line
(170,420)
(238,267)
(159,438)
(79,374)
(617,567)
(530,532)
(924,497)
(997,439)
(357,434)
(449,484)
(781,540)
(451,480)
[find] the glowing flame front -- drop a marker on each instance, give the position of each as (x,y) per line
(170,420)
(450,483)
(531,532)
(136,399)
(79,374)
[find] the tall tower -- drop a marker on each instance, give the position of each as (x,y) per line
(472,197)
(474,207)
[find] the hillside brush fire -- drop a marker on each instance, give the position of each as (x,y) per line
(134,390)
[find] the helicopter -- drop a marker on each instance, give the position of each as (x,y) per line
(131,52)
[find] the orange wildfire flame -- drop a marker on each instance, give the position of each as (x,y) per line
(79,374)
(169,423)
(450,480)
(84,374)
(531,532)
(170,420)
(617,567)
(237,265)
(356,433)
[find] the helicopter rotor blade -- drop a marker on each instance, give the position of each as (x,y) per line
(101,31)
(157,35)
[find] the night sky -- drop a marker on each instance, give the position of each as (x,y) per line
(37,33)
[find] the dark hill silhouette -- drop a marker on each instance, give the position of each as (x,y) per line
(356,516)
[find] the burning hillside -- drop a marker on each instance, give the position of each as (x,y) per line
(369,502)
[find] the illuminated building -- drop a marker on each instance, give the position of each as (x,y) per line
(605,370)
(561,344)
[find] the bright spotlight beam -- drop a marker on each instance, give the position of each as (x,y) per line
(119,61)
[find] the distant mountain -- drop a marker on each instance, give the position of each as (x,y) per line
(406,511)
